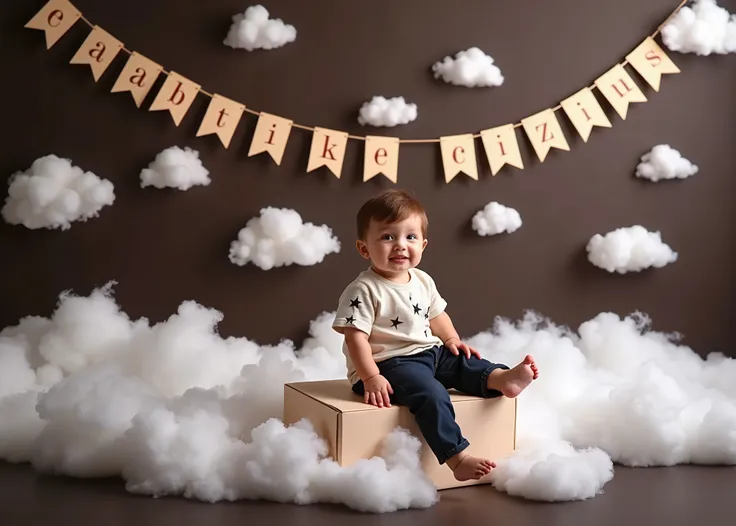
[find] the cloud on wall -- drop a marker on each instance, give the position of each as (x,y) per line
(279,237)
(53,193)
(253,30)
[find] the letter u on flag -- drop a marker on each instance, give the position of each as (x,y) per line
(458,155)
(328,149)
(620,90)
(55,19)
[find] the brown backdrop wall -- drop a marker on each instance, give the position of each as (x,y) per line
(166,246)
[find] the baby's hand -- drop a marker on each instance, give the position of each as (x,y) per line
(377,390)
(456,345)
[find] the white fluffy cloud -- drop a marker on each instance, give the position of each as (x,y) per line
(53,193)
(495,218)
(253,29)
(471,68)
(175,409)
(664,162)
(381,111)
(175,168)
(279,237)
(629,249)
(701,28)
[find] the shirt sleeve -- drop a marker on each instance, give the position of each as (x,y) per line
(355,309)
(437,303)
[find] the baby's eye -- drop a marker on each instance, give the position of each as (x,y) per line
(386,237)
(412,236)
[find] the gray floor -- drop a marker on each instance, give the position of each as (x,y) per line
(684,495)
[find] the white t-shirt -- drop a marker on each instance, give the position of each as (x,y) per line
(394,315)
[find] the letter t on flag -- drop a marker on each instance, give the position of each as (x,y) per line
(55,19)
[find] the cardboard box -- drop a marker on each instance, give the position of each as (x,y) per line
(355,430)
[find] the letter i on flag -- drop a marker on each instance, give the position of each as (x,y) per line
(584,111)
(271,135)
(55,19)
(501,147)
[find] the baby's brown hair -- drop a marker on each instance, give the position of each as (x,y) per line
(390,206)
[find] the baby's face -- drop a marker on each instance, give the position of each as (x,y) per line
(394,248)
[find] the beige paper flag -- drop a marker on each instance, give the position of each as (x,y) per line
(176,95)
(221,118)
(501,147)
(585,112)
(271,135)
(98,50)
(138,77)
(458,155)
(544,133)
(651,62)
(55,19)
(619,88)
(328,149)
(381,156)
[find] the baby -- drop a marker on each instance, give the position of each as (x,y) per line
(401,346)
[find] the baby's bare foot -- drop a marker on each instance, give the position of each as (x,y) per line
(513,381)
(471,467)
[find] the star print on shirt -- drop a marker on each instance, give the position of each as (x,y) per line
(416,309)
(355,303)
(395,323)
(426,314)
(350,319)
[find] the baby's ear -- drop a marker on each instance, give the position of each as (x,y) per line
(362,248)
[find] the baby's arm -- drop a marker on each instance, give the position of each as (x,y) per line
(377,389)
(360,353)
(441,326)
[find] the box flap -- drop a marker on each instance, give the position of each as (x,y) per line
(338,394)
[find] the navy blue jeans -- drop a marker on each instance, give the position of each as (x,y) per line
(420,382)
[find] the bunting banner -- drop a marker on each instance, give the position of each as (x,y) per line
(500,144)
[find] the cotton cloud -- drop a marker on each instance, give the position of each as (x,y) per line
(175,409)
(629,249)
(255,30)
(278,237)
(495,218)
(702,28)
(664,162)
(175,168)
(381,111)
(471,68)
(53,193)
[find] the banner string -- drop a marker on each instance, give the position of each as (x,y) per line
(405,141)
